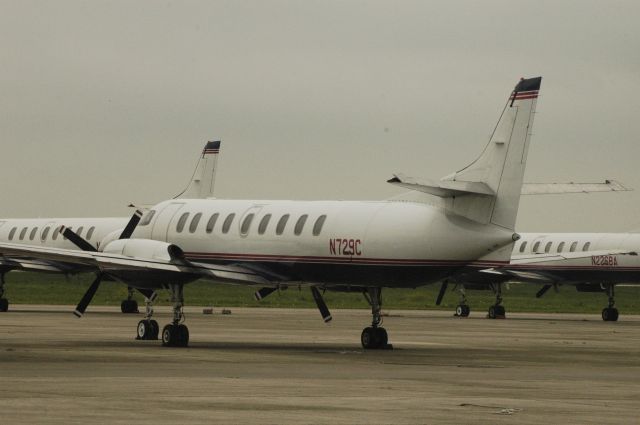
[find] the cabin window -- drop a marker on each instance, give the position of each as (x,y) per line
(147,218)
(262,227)
(300,224)
(282,224)
(547,247)
(45,233)
(586,246)
(32,235)
(573,246)
(23,232)
(90,232)
(212,222)
(194,223)
(246,224)
(317,227)
(560,246)
(227,223)
(181,222)
(54,236)
(536,246)
(523,245)
(80,229)
(12,233)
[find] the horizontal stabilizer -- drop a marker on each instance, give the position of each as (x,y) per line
(442,188)
(560,188)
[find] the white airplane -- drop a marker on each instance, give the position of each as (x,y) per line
(334,245)
(592,262)
(95,231)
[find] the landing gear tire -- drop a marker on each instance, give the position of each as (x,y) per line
(4,305)
(147,330)
(175,336)
(610,314)
(463,310)
(496,311)
(373,338)
(129,306)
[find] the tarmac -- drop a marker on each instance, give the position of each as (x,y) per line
(285,366)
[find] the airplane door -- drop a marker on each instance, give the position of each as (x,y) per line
(161,223)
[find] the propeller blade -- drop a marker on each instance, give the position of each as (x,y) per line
(76,239)
(324,310)
(88,296)
(131,225)
(263,292)
(443,289)
(543,290)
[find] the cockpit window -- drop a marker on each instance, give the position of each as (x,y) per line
(147,218)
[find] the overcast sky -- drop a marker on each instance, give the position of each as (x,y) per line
(106,103)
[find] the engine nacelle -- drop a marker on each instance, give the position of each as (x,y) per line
(145,248)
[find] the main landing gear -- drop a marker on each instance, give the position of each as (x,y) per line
(463,309)
(176,334)
(497,310)
(4,303)
(129,305)
(375,336)
(148,329)
(610,314)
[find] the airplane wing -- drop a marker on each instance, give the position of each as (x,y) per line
(143,269)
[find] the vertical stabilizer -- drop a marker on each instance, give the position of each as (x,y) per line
(502,163)
(204,176)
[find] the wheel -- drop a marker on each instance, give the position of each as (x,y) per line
(381,335)
(155,330)
(466,310)
(144,329)
(369,338)
(614,315)
(500,311)
(492,312)
(610,314)
(129,306)
(459,311)
(170,335)
(175,336)
(183,336)
(4,305)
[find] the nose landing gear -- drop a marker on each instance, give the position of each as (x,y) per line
(610,313)
(148,329)
(375,336)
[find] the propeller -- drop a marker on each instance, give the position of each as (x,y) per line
(543,290)
(443,289)
(263,292)
(82,243)
(324,310)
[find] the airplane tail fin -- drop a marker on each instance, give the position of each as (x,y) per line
(488,189)
(202,182)
(500,167)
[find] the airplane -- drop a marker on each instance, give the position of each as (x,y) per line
(325,245)
(99,231)
(591,262)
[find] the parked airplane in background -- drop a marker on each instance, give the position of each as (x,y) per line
(97,232)
(592,262)
(339,245)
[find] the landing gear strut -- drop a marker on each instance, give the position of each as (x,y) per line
(610,314)
(4,303)
(375,336)
(497,310)
(176,334)
(129,305)
(147,327)
(462,310)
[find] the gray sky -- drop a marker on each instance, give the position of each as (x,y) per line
(105,103)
